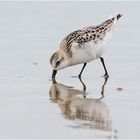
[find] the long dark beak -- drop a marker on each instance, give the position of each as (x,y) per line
(54,73)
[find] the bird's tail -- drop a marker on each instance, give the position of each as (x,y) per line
(110,23)
(118,16)
(115,19)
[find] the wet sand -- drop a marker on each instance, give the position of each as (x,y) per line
(33,106)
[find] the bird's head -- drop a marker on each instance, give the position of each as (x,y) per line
(58,61)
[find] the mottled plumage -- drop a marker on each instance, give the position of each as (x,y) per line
(91,33)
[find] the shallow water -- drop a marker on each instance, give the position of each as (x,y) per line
(32,106)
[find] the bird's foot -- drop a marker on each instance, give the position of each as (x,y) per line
(105,76)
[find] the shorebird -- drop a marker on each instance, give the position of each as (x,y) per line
(83,46)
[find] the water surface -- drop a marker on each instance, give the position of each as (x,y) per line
(33,106)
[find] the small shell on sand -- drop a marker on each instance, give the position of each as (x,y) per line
(34,62)
(119,89)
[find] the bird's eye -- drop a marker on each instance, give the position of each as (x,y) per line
(57,63)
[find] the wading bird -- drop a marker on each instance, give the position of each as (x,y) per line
(83,46)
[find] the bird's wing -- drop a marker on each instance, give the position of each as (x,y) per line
(68,41)
(87,34)
(95,33)
(74,37)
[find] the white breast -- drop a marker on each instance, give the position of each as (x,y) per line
(82,55)
(89,51)
(99,46)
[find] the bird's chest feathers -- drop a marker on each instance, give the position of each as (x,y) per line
(82,55)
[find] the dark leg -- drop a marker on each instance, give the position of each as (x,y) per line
(82,70)
(106,73)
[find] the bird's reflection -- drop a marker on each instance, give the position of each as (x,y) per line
(93,113)
(103,88)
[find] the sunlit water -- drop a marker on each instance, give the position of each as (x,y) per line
(33,106)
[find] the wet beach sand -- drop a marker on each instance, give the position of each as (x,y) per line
(34,106)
